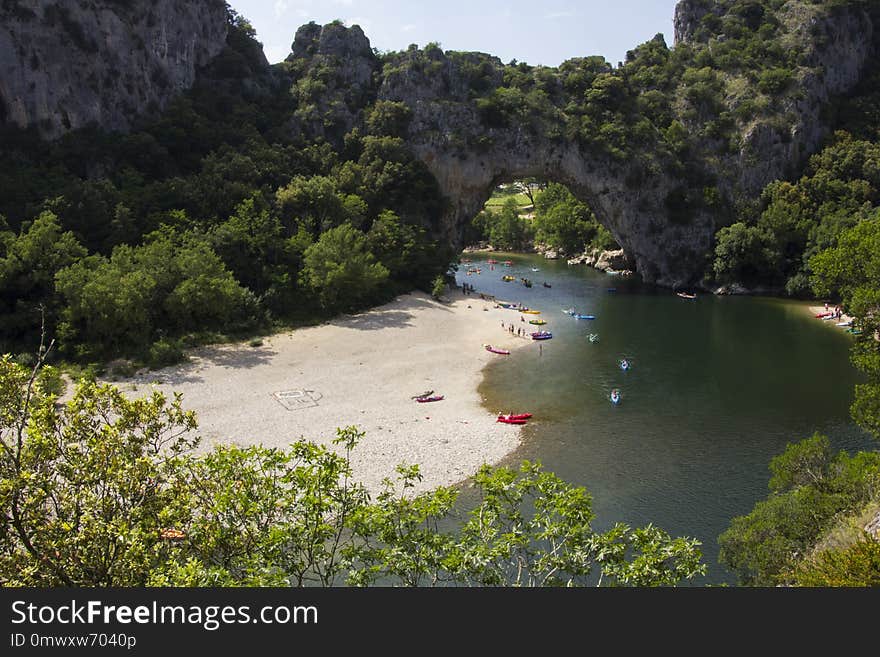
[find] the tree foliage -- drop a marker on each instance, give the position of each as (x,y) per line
(810,487)
(341,271)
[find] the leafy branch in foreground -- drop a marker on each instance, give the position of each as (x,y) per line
(102,490)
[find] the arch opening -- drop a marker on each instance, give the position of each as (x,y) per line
(533,214)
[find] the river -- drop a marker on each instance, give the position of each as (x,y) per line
(717,387)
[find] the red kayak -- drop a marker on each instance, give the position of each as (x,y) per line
(824,315)
(496,350)
(514,418)
(422,400)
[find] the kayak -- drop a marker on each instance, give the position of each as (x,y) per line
(547,285)
(507,279)
(570,311)
(535,269)
(496,350)
(615,396)
(537,322)
(685,295)
(542,335)
(423,400)
(584,316)
(530,312)
(514,418)
(492,262)
(507,263)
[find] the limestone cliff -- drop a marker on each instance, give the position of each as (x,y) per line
(834,48)
(65,64)
(663,163)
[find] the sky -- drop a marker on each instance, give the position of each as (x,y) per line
(538,32)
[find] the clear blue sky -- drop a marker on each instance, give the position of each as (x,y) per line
(539,32)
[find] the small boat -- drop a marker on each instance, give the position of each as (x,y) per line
(624,365)
(615,396)
(526,311)
(514,418)
(824,315)
(508,279)
(685,295)
(496,350)
(844,324)
(547,285)
(423,400)
(535,269)
(594,337)
(584,316)
(492,262)
(507,263)
(570,311)
(542,335)
(537,322)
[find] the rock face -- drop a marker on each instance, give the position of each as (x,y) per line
(873,527)
(66,64)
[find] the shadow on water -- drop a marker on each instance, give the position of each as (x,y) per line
(717,387)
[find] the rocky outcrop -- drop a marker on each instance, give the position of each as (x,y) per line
(613,260)
(873,527)
(65,65)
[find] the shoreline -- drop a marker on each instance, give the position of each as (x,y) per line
(360,370)
(817,310)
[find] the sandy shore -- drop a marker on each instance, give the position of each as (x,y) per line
(360,370)
(818,310)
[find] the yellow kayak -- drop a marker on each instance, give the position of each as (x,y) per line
(530,312)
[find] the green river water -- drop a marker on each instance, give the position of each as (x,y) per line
(717,387)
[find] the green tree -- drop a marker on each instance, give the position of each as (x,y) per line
(743,254)
(86,487)
(403,249)
(341,271)
(562,222)
(529,528)
(810,487)
(507,230)
(439,287)
(856,565)
(175,282)
(852,270)
(28,265)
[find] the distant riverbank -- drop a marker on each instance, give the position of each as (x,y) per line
(360,370)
